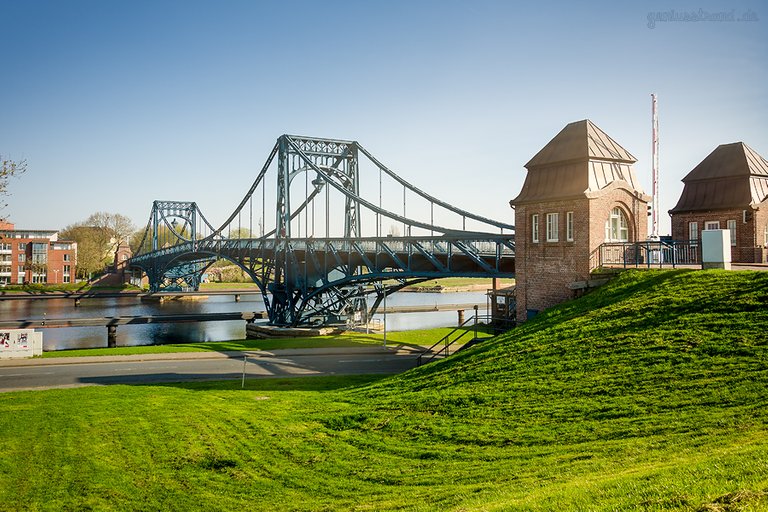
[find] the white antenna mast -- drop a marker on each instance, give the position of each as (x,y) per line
(655,171)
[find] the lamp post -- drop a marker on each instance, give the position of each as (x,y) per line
(56,273)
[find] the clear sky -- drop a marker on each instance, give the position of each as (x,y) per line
(116,104)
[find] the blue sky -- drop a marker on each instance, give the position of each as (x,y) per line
(116,104)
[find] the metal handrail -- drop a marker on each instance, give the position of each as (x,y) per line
(445,339)
(649,253)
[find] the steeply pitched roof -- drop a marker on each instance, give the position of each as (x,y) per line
(580,161)
(731,176)
(581,140)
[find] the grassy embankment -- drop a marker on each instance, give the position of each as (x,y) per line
(647,394)
(66,288)
(418,338)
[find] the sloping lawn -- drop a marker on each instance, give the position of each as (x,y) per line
(648,394)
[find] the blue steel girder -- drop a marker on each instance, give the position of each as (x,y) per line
(323,276)
(323,270)
(352,264)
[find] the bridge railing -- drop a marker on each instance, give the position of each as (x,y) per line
(648,254)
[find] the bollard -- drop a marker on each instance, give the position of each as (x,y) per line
(111,336)
(461,316)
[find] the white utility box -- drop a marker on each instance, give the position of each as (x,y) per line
(716,249)
(20,343)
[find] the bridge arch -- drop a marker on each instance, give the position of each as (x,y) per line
(327,273)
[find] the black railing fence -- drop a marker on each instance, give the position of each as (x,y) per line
(649,254)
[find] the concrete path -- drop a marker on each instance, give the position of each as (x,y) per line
(32,374)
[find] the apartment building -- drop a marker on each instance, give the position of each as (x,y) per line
(35,256)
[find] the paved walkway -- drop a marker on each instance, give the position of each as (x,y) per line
(395,349)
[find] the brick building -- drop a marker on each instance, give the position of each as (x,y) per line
(727,190)
(580,191)
(35,256)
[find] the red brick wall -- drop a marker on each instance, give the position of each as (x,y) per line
(544,270)
(55,261)
(56,265)
(749,235)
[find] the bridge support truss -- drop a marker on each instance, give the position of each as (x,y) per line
(307,279)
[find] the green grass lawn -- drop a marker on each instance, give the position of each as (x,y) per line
(229,286)
(417,338)
(648,394)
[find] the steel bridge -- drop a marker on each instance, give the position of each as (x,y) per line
(343,229)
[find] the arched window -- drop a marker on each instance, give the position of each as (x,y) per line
(616,227)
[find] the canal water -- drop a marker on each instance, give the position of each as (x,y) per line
(150,334)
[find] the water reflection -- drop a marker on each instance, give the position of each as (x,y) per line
(149,334)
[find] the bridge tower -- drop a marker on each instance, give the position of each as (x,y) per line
(340,160)
(580,191)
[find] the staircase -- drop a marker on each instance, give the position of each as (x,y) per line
(442,348)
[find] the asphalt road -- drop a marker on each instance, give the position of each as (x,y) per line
(71,372)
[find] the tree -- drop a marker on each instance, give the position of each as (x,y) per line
(97,239)
(9,169)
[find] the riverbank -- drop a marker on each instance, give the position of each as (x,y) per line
(416,339)
(648,393)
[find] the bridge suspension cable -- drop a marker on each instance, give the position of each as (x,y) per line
(310,271)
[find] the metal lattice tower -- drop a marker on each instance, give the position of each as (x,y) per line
(327,251)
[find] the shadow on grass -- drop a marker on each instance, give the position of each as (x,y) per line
(233,382)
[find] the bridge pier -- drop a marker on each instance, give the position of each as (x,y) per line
(237,297)
(111,336)
(77,302)
(461,316)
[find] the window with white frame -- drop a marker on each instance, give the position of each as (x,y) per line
(732,229)
(535,228)
(569,226)
(693,231)
(712,224)
(616,227)
(553,220)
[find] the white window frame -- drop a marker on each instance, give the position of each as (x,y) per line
(617,226)
(732,228)
(553,221)
(569,226)
(693,231)
(535,228)
(711,224)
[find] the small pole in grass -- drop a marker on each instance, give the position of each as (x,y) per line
(242,384)
(385,318)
